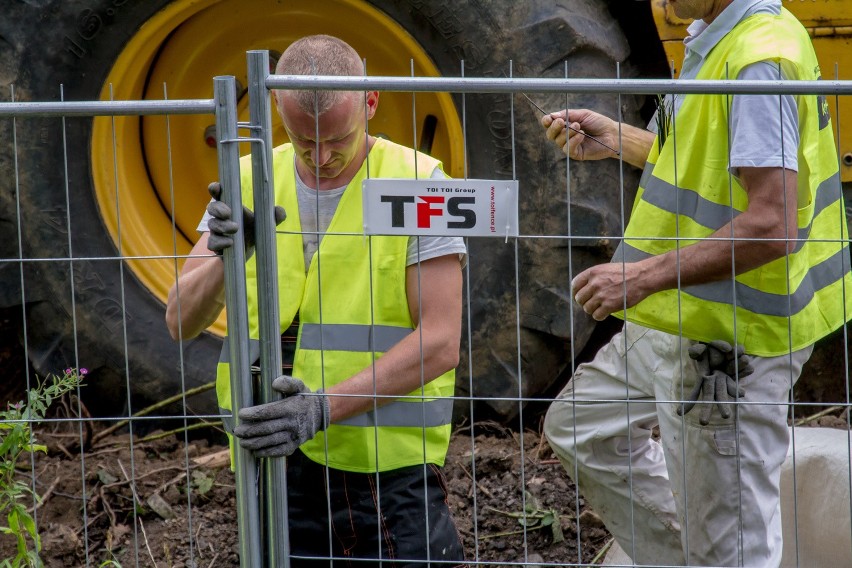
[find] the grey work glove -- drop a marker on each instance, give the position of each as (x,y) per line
(222,227)
(719,366)
(278,428)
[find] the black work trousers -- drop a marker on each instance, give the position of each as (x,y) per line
(389,520)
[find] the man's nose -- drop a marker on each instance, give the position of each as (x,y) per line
(320,154)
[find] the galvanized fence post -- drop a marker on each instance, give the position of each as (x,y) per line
(274,485)
(245,466)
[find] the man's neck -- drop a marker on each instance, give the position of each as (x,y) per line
(717,9)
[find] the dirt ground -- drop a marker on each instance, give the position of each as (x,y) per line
(185,513)
(186,516)
(170,503)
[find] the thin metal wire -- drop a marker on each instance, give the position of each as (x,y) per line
(23,291)
(846,375)
(117,194)
(791,378)
(414,145)
(627,397)
(520,376)
(474,484)
(572,344)
(191,535)
(66,178)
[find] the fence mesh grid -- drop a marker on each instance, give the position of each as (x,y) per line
(130,467)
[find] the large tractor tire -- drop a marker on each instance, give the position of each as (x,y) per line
(80,193)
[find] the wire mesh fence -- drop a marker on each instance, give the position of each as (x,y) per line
(136,468)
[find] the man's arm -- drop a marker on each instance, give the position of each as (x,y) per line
(434,300)
(634,143)
(199,293)
(771,214)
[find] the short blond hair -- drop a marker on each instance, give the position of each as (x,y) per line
(319,55)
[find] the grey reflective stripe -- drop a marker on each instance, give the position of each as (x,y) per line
(664,195)
(818,277)
(254,351)
(682,201)
(647,172)
(428,414)
(351,337)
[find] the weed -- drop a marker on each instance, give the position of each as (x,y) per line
(16,438)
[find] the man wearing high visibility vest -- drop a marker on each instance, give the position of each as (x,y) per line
(737,237)
(366,415)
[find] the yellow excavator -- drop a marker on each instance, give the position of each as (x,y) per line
(101,210)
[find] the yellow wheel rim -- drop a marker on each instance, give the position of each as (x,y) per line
(151,173)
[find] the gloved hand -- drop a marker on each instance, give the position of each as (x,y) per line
(278,428)
(719,365)
(222,226)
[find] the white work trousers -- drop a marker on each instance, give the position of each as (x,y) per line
(702,496)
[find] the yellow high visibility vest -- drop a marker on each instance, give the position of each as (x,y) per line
(687,192)
(341,329)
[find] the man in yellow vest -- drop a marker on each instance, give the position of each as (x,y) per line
(366,415)
(737,237)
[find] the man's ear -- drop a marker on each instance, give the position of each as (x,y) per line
(372,102)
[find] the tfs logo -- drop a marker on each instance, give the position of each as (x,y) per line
(429,206)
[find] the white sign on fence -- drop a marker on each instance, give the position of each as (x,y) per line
(457,207)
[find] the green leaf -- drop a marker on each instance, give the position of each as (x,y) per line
(202,483)
(106,477)
(13,522)
(556,530)
(7,444)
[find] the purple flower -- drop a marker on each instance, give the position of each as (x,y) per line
(68,371)
(84,371)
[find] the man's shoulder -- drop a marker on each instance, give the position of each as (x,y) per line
(407,161)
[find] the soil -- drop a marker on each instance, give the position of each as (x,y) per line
(169,501)
(185,511)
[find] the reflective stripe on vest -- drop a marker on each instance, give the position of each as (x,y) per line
(673,199)
(753,300)
(426,414)
(351,337)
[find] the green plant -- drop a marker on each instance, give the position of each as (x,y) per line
(664,118)
(16,438)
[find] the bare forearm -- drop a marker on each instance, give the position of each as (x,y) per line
(761,234)
(717,258)
(197,299)
(400,371)
(635,145)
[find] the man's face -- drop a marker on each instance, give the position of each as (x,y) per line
(337,149)
(706,10)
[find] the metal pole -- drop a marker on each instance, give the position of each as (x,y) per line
(245,467)
(274,469)
(536,85)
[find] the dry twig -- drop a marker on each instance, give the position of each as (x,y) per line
(817,416)
(478,485)
(156,406)
(147,546)
(46,495)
